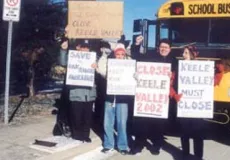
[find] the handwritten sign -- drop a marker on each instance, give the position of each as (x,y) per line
(195,82)
(90,19)
(152,90)
(79,70)
(120,79)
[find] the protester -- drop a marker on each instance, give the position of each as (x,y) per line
(116,109)
(62,126)
(192,127)
(81,102)
(105,52)
(76,101)
(220,70)
(142,125)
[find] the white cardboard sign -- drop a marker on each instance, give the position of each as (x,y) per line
(152,90)
(79,69)
(196,83)
(120,79)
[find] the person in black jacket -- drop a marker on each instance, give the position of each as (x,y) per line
(192,127)
(151,128)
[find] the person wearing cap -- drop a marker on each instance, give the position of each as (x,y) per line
(192,127)
(116,109)
(81,101)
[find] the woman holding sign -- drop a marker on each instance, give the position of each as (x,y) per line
(153,128)
(192,127)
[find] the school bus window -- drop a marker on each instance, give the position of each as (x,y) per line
(220,32)
(202,31)
(152,32)
(164,30)
(189,30)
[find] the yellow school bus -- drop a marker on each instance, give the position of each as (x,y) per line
(205,23)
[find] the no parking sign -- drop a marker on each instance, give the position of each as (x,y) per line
(11,10)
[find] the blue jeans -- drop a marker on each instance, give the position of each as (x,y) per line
(120,112)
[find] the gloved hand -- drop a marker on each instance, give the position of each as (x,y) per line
(139,40)
(174,95)
(177,97)
(218,76)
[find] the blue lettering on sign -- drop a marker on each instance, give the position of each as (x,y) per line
(195,67)
(82,77)
(180,104)
(198,80)
(208,106)
(78,55)
(86,70)
(193,92)
(195,105)
(73,66)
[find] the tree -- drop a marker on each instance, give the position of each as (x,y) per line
(33,41)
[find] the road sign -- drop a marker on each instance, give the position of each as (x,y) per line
(11,10)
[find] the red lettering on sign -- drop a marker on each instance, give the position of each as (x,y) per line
(149,108)
(159,108)
(139,105)
(153,70)
(156,98)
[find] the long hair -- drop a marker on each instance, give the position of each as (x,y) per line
(192,51)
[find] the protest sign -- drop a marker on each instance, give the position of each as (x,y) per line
(79,69)
(90,19)
(152,90)
(195,82)
(120,79)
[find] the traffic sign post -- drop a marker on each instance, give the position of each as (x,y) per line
(11,12)
(7,79)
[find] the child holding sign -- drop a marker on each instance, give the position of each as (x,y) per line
(192,127)
(116,109)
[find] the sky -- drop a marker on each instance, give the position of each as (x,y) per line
(138,9)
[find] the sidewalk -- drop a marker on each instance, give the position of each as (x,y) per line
(15,141)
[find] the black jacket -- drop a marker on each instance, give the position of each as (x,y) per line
(154,57)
